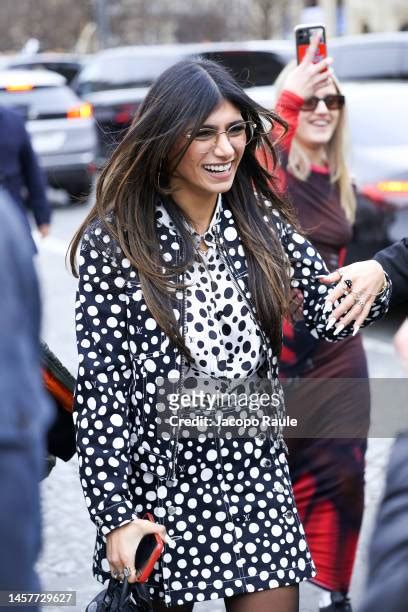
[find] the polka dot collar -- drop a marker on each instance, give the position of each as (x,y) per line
(209,235)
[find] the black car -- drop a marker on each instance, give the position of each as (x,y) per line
(116,81)
(66,64)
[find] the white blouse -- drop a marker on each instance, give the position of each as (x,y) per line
(221,333)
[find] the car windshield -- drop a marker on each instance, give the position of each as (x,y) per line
(40,100)
(117,72)
(250,68)
(69,71)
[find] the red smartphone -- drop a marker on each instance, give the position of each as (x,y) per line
(303,36)
(149,550)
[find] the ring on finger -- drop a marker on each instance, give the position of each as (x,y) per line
(115,574)
(126,572)
(361,303)
(348,283)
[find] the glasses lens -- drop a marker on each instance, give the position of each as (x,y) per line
(205,134)
(334,102)
(310,103)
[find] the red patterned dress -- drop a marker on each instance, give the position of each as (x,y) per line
(327,473)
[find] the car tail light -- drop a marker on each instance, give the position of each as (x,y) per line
(19,87)
(392,194)
(83,111)
(125,113)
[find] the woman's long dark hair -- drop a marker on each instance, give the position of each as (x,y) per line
(137,175)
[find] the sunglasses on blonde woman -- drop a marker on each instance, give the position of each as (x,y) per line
(332,102)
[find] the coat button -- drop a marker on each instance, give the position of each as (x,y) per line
(265,462)
(261,437)
(288,515)
(171,510)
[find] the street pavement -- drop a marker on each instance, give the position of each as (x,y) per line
(68,533)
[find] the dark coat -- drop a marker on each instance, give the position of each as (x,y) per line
(394,260)
(387,582)
(19,168)
(24,410)
(124,357)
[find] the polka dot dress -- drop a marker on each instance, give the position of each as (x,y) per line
(227,503)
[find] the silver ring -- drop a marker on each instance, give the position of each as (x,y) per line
(115,574)
(361,303)
(126,572)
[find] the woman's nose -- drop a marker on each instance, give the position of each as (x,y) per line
(223,146)
(321,107)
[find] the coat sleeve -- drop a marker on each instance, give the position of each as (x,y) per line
(394,260)
(34,181)
(388,557)
(305,266)
(103,385)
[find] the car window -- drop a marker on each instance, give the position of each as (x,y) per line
(387,60)
(39,101)
(250,68)
(69,71)
(116,72)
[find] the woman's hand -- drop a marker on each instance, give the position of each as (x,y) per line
(122,543)
(308,77)
(367,279)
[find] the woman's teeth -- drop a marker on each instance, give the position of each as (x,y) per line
(218,167)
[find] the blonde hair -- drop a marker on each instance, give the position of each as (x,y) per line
(299,164)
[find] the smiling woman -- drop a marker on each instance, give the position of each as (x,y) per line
(185,270)
(327,473)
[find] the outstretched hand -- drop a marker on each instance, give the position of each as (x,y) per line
(365,279)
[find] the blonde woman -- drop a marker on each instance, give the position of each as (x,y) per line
(327,472)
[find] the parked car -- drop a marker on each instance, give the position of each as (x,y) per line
(116,81)
(66,64)
(378,119)
(371,56)
(61,126)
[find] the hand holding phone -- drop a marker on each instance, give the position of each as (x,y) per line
(309,75)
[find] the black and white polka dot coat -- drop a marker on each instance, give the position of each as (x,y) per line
(122,353)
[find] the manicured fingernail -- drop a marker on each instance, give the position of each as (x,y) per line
(338,329)
(355,329)
(332,321)
(328,307)
(169,541)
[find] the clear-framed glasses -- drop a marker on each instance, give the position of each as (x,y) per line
(240,133)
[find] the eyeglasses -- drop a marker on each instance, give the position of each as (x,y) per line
(239,133)
(332,102)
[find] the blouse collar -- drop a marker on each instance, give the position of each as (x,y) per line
(164,218)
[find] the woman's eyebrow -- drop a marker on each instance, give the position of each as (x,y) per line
(215,127)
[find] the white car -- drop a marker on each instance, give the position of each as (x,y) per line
(61,126)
